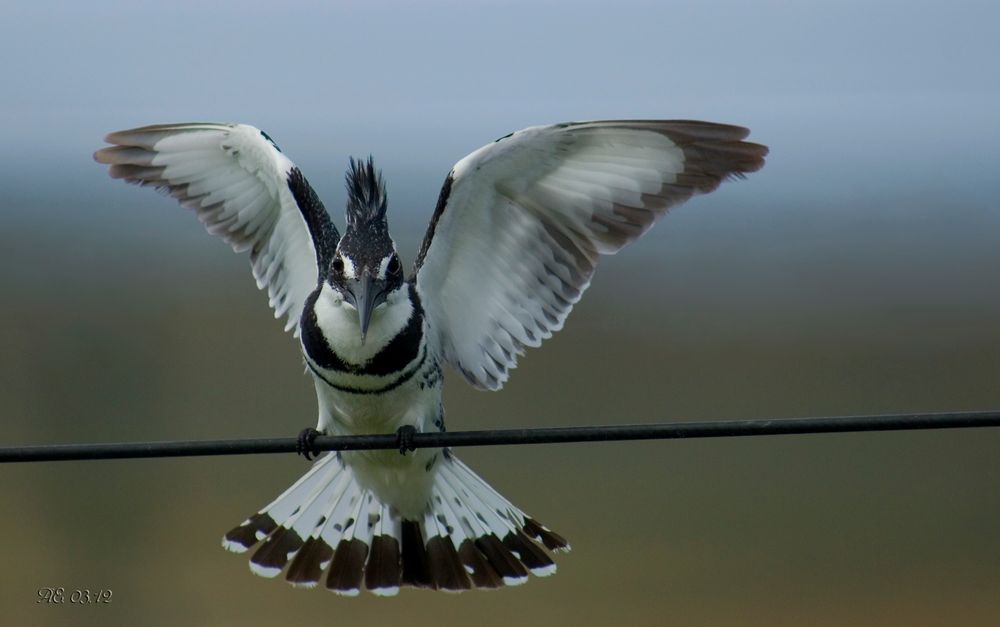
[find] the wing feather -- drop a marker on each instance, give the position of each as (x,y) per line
(244,190)
(521,223)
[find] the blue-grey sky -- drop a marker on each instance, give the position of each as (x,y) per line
(888,103)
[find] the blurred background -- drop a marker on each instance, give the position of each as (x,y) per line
(857,273)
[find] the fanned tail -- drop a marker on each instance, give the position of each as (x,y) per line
(329,528)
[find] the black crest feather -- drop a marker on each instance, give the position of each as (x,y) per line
(366,198)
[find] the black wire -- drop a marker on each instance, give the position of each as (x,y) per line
(660,431)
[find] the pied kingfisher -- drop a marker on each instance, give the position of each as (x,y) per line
(513,242)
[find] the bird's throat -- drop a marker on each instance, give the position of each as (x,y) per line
(339,324)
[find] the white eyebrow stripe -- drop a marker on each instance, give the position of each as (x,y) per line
(383,266)
(349,272)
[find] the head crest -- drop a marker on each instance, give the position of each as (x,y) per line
(366,198)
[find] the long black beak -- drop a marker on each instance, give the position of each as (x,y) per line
(367,296)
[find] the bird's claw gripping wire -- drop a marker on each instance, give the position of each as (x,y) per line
(305,443)
(404,438)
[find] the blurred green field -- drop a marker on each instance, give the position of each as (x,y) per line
(704,321)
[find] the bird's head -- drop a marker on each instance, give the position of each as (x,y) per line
(365,268)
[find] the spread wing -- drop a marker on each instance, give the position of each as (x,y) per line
(244,190)
(521,223)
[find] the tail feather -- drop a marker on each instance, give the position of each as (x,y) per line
(446,570)
(486,524)
(480,572)
(382,574)
(415,569)
(327,524)
(348,567)
(275,552)
(508,523)
(309,563)
(550,539)
(315,554)
(279,548)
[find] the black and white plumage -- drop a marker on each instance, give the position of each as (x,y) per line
(513,243)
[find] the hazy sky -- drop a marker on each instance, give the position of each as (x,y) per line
(855,99)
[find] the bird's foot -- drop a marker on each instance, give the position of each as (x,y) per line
(404,438)
(305,444)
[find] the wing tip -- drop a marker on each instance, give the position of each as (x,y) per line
(485,380)
(102,155)
(694,132)
(147,136)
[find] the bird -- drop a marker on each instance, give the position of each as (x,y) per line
(513,242)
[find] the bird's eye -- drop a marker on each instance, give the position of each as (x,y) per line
(338,265)
(393,266)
